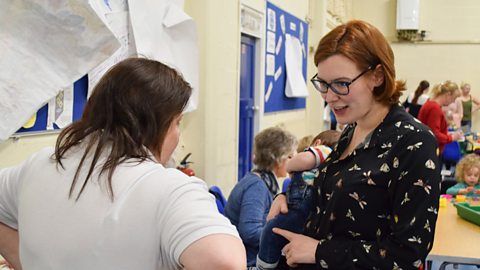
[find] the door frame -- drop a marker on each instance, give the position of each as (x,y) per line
(252,23)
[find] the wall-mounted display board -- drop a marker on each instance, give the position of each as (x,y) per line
(285,60)
(67,105)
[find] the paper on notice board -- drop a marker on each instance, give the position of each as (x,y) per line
(60,109)
(45,46)
(279,45)
(295,85)
(118,23)
(293,26)
(269,92)
(282,23)
(301,32)
(278,73)
(270,42)
(271,20)
(270,63)
(164,32)
(301,35)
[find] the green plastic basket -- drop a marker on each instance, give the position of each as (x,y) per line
(468,212)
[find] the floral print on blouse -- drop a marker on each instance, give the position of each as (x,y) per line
(377,208)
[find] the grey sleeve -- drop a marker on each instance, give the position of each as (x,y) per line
(191,214)
(10,179)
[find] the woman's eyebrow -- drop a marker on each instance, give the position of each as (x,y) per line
(336,79)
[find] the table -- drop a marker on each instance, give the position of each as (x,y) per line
(456,240)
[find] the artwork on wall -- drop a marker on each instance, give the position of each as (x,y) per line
(285,61)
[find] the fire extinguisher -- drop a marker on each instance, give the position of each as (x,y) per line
(184,166)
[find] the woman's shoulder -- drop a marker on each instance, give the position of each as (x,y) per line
(252,183)
(154,175)
(40,160)
(402,124)
(415,128)
(431,104)
(423,99)
(252,180)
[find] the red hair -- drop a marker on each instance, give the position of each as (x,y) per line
(366,46)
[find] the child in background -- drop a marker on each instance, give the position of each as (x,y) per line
(299,197)
(467,174)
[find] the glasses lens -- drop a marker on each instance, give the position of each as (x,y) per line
(320,86)
(340,87)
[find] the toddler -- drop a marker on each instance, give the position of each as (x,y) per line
(299,198)
(467,173)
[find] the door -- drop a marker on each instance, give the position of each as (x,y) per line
(247,105)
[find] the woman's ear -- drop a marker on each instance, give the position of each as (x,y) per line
(378,75)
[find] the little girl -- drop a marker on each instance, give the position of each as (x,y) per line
(467,173)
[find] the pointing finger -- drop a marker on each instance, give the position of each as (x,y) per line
(287,234)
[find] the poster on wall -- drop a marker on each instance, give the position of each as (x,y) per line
(174,35)
(285,60)
(45,47)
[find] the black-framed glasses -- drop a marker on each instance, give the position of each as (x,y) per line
(340,87)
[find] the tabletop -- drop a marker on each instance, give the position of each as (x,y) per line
(456,239)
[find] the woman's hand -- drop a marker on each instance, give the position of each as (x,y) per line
(301,248)
(279,205)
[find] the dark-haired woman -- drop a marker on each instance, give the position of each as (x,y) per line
(101,199)
(414,101)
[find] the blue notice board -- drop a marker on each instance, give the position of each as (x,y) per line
(80,92)
(278,24)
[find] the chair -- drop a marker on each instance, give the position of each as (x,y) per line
(286,181)
(451,154)
(443,266)
(446,183)
(219,198)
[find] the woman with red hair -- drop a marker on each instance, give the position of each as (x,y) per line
(376,196)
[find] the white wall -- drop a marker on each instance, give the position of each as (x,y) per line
(210,132)
(455,48)
(13,151)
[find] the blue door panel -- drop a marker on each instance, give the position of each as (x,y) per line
(247,79)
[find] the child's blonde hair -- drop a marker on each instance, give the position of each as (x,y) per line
(467,162)
(304,143)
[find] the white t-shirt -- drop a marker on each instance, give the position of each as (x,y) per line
(421,99)
(155,215)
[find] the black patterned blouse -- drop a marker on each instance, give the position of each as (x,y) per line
(377,208)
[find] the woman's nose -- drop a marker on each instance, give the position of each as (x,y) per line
(330,96)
